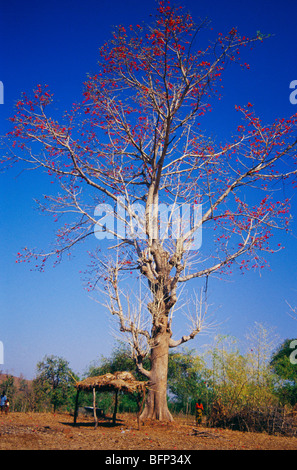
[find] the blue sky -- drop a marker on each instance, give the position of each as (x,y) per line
(56,43)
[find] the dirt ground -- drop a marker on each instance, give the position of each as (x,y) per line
(46,431)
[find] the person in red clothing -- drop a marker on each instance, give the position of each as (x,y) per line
(199,412)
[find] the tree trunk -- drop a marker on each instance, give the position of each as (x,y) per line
(156,404)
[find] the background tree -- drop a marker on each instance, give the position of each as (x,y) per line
(187,380)
(243,376)
(229,374)
(262,383)
(53,384)
(25,398)
(119,360)
(8,385)
(286,370)
(135,143)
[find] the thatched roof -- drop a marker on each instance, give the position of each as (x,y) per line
(121,381)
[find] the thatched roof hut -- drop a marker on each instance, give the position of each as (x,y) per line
(117,382)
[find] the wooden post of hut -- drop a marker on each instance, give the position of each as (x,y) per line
(95,407)
(76,407)
(115,407)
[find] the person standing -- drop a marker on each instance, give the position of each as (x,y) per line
(3,401)
(199,412)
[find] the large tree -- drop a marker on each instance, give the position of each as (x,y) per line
(135,144)
(54,381)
